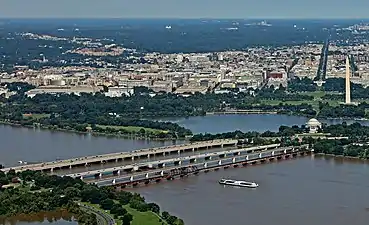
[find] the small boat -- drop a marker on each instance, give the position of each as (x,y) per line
(238,183)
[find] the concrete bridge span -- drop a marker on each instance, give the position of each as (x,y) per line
(176,161)
(121,156)
(188,168)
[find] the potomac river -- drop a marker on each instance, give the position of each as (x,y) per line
(309,190)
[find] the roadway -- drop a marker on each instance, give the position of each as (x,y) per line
(108,165)
(121,155)
(172,162)
(200,165)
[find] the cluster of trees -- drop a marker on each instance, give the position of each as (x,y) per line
(342,111)
(341,147)
(41,192)
(256,137)
(301,85)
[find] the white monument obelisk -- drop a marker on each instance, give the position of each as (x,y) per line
(348,91)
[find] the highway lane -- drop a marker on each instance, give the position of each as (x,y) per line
(94,167)
(113,156)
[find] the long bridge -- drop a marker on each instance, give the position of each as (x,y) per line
(188,167)
(124,156)
(133,167)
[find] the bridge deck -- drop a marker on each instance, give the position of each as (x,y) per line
(119,155)
(214,154)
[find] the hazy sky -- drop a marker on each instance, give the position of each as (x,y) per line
(184,8)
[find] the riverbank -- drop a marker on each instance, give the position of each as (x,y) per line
(91,132)
(70,194)
(57,215)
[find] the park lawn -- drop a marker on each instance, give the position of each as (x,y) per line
(276,102)
(133,128)
(315,94)
(96,206)
(139,218)
(143,218)
(36,116)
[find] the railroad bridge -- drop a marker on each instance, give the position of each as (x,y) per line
(186,166)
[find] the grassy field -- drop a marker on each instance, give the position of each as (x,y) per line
(133,129)
(139,218)
(315,103)
(36,116)
(143,218)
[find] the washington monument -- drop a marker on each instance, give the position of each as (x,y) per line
(348,91)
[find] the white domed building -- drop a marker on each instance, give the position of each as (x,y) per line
(314,125)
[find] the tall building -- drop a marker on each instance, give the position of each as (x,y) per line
(348,91)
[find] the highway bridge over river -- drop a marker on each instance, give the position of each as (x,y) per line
(165,163)
(155,171)
(125,156)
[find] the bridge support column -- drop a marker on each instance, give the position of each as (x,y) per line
(131,178)
(238,153)
(118,172)
(52,170)
(273,153)
(193,149)
(259,155)
(100,175)
(163,164)
(81,178)
(285,151)
(70,166)
(247,158)
(162,173)
(205,165)
(147,175)
(180,162)
(148,156)
(233,160)
(163,153)
(114,181)
(179,152)
(220,162)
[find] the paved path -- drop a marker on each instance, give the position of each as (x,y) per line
(102,217)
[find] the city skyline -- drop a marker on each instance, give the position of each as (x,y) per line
(284,9)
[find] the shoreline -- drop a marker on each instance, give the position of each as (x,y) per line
(341,157)
(95,134)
